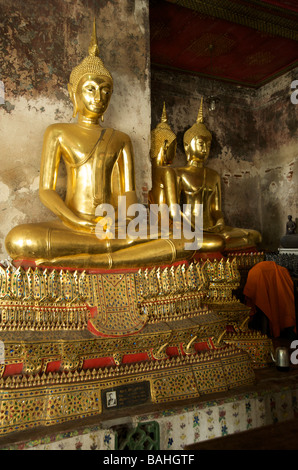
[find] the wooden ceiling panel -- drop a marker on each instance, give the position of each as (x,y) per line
(247,55)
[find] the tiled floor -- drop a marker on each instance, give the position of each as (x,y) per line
(278,436)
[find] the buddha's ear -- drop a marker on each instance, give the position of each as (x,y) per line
(73,99)
(186,150)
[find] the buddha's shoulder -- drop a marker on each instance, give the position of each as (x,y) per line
(180,170)
(164,170)
(58,129)
(119,134)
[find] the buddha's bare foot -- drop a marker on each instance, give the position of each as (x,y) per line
(82,261)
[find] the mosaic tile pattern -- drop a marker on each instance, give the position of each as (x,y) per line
(93,438)
(210,420)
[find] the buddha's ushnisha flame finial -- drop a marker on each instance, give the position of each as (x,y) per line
(93,47)
(91,65)
(164,117)
(200,117)
(198,129)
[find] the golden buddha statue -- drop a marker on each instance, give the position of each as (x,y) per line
(162,153)
(165,188)
(100,168)
(202,185)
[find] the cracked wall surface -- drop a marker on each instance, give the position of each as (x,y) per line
(254,144)
(41,42)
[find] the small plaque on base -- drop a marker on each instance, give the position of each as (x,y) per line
(126,395)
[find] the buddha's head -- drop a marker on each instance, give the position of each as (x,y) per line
(197,140)
(91,85)
(163,141)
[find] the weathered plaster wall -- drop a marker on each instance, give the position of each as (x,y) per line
(276,157)
(40,44)
(254,144)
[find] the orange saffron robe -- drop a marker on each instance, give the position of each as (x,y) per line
(271,288)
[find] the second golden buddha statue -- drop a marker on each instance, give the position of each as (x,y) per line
(166,187)
(199,184)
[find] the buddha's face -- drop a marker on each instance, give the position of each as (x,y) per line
(198,149)
(93,95)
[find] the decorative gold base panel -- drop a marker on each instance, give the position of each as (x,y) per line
(25,404)
(258,346)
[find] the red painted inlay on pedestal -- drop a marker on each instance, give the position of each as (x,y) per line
(98,363)
(13,369)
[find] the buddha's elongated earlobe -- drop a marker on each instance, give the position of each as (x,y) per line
(73,99)
(186,149)
(102,118)
(75,107)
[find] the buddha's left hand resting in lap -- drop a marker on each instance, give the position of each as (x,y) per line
(100,167)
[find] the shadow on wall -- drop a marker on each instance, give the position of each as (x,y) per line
(273,225)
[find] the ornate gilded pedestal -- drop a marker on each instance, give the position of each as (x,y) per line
(78,343)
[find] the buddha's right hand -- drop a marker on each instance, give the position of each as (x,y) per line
(51,199)
(81,225)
